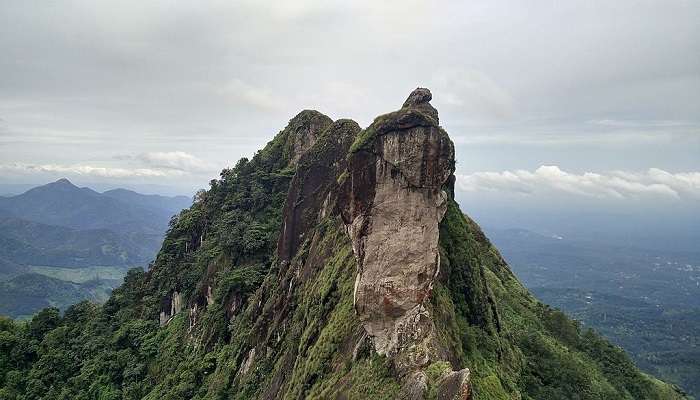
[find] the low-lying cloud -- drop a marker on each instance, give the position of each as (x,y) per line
(87,170)
(178,160)
(158,164)
(549,179)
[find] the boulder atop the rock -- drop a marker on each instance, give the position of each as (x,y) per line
(418,96)
(420,99)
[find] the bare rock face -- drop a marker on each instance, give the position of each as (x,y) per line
(170,306)
(420,99)
(310,188)
(415,387)
(392,203)
(455,386)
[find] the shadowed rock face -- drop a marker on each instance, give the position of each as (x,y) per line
(309,195)
(392,204)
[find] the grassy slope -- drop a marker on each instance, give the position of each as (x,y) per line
(537,351)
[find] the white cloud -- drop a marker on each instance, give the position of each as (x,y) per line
(549,179)
(244,94)
(471,93)
(175,160)
(153,166)
(639,123)
(88,170)
(554,134)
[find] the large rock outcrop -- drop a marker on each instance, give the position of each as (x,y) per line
(333,264)
(304,130)
(394,197)
(311,188)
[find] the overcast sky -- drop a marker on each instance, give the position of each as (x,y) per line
(590,99)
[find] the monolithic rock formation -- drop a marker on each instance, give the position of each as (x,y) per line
(394,198)
(395,202)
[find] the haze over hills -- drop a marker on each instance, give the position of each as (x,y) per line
(59,226)
(31,243)
(646,300)
(64,204)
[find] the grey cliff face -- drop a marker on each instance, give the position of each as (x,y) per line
(394,200)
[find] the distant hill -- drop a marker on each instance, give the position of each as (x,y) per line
(30,243)
(172,204)
(63,204)
(62,225)
(13,189)
(18,296)
(8,268)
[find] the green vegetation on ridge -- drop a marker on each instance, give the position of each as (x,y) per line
(288,330)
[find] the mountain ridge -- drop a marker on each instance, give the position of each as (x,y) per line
(115,230)
(333,264)
(64,204)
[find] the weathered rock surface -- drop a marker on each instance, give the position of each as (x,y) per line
(310,188)
(420,99)
(455,386)
(170,306)
(305,129)
(393,201)
(415,387)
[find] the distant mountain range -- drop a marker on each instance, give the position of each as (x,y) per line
(31,243)
(64,204)
(62,225)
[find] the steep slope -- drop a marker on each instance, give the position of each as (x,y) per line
(334,264)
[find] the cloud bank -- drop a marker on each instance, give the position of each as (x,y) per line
(177,160)
(550,179)
(173,164)
(517,84)
(86,170)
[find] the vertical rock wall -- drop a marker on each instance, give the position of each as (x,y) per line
(393,204)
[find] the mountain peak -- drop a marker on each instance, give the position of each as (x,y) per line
(418,96)
(63,181)
(378,287)
(61,185)
(419,100)
(303,131)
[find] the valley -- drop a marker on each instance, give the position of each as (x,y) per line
(646,301)
(61,244)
